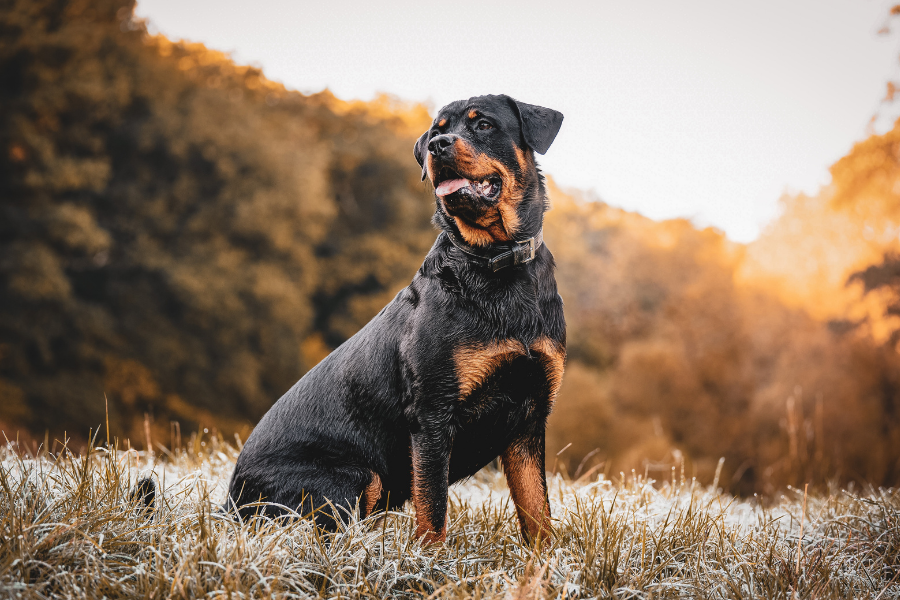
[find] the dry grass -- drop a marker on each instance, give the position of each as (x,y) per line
(69,529)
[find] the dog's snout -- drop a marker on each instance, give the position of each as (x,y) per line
(440,144)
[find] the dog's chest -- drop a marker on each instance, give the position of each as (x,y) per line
(479,366)
(504,388)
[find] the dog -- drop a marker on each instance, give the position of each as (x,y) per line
(461,367)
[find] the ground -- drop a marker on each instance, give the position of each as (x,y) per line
(68,528)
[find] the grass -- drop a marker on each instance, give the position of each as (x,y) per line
(68,528)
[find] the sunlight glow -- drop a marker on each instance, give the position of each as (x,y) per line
(702,109)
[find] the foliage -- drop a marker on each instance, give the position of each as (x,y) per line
(884,276)
(179,233)
(670,349)
(182,238)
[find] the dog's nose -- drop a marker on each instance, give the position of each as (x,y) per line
(441,143)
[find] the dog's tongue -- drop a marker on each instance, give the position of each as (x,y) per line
(448,187)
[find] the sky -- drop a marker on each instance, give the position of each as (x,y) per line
(704,109)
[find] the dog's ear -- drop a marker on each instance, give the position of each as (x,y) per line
(539,125)
(419,150)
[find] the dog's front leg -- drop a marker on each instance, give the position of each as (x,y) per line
(523,463)
(430,471)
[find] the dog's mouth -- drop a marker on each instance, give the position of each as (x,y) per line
(450,182)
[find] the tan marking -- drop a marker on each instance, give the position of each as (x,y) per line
(442,122)
(526,486)
(501,222)
(488,231)
(371,494)
(475,363)
(429,169)
(553,357)
(509,217)
(474,236)
(497,224)
(522,158)
(512,195)
(425,528)
(473,113)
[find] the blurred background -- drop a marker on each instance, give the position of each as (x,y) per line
(182,236)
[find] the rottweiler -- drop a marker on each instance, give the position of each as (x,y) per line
(461,367)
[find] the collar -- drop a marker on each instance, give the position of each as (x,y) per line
(499,256)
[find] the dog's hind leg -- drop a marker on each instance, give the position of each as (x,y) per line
(370,496)
(328,495)
(336,495)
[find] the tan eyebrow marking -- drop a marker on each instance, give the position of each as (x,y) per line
(442,122)
(473,113)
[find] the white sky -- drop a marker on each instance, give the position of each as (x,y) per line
(708,109)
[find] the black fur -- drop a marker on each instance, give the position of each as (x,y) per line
(539,125)
(144,492)
(393,388)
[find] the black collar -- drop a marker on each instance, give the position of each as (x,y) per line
(498,256)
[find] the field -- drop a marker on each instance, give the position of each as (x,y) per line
(69,529)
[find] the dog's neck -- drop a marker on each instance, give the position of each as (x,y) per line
(502,255)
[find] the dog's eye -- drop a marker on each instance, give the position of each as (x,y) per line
(483,125)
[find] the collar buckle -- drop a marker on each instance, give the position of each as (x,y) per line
(531,250)
(522,253)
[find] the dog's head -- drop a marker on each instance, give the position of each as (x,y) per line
(479,155)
